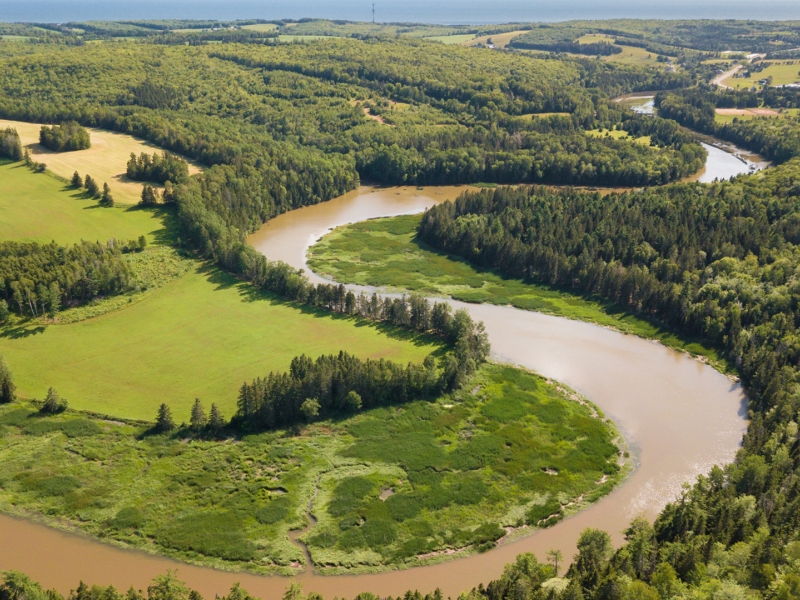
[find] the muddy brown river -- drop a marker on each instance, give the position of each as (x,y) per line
(679,417)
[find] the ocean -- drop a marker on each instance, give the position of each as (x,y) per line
(417,11)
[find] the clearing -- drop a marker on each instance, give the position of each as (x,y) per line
(202,335)
(106,161)
(40,207)
(499,40)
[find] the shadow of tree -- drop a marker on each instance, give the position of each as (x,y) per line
(22,331)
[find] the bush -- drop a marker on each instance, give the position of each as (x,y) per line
(273,512)
(128,518)
(348,493)
(212,533)
(66,137)
(403,506)
(541,511)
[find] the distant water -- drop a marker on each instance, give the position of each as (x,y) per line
(418,11)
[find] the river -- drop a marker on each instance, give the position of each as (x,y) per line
(679,417)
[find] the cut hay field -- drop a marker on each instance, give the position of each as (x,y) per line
(499,40)
(261,27)
(39,207)
(392,487)
(459,38)
(385,253)
(106,161)
(200,336)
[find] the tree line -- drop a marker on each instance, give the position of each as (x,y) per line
(158,168)
(41,279)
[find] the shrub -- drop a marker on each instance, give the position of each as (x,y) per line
(53,403)
(276,510)
(348,493)
(378,533)
(403,506)
(537,512)
(129,517)
(212,533)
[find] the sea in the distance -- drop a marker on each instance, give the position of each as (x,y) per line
(416,11)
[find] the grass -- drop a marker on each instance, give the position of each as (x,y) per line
(106,161)
(201,335)
(386,253)
(781,71)
(630,55)
(261,27)
(499,40)
(461,467)
(458,38)
(618,134)
(40,207)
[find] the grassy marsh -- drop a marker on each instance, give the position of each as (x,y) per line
(385,253)
(514,452)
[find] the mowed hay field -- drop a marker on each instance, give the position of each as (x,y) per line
(106,161)
(39,207)
(499,40)
(200,336)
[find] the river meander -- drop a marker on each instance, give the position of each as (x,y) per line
(679,417)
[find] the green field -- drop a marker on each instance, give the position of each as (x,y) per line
(781,71)
(41,207)
(202,335)
(394,483)
(385,253)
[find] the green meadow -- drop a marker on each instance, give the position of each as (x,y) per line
(42,207)
(385,253)
(391,487)
(202,336)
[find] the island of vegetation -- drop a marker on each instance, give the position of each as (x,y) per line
(410,443)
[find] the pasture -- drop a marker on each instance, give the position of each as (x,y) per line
(499,40)
(200,336)
(781,72)
(106,161)
(40,207)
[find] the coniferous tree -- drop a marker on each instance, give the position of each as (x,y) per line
(8,391)
(4,312)
(53,403)
(77,180)
(198,418)
(91,186)
(164,420)
(106,199)
(215,421)
(148,195)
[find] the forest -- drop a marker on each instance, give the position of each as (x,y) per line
(280,127)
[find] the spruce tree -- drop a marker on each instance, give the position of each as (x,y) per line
(53,403)
(198,419)
(148,195)
(164,420)
(77,180)
(215,422)
(107,199)
(91,187)
(8,391)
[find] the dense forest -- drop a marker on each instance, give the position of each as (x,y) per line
(65,137)
(39,279)
(718,261)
